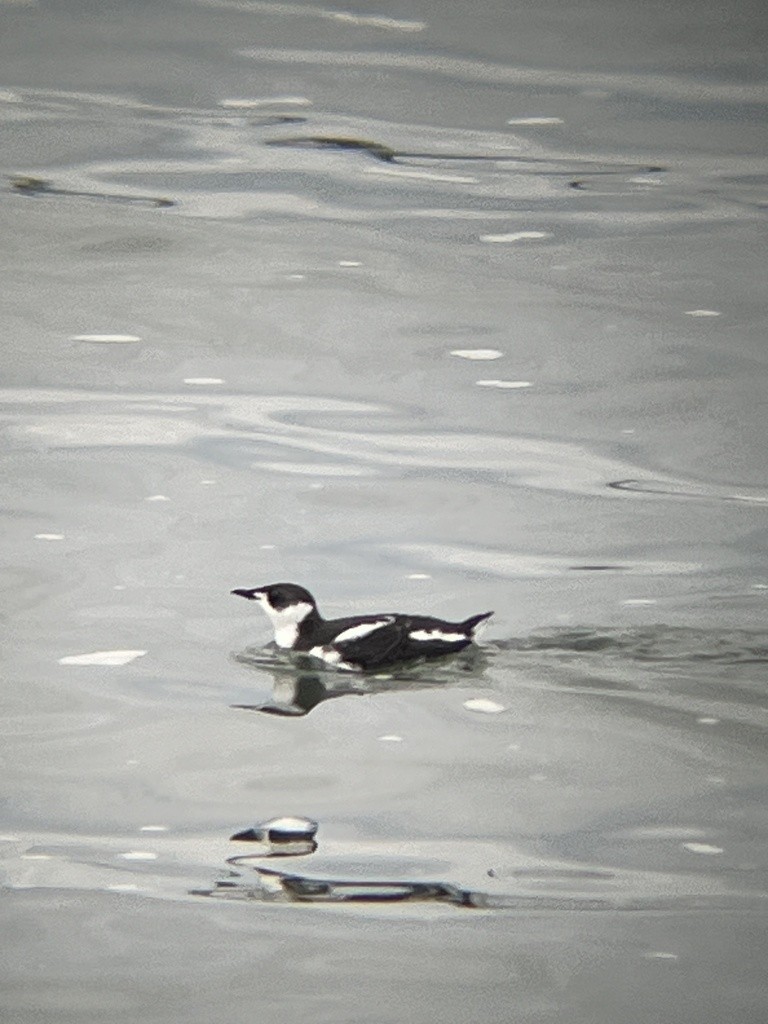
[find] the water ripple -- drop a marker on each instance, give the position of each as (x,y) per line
(249,430)
(670,87)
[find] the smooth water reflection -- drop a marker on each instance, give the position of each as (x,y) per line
(299,684)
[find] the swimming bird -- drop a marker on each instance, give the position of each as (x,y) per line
(358,642)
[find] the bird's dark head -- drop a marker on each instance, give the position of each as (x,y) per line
(286,604)
(278,597)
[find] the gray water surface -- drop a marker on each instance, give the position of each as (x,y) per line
(251,255)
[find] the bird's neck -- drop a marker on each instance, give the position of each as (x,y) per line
(291,622)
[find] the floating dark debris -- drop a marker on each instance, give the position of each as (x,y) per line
(376,149)
(544,165)
(682,490)
(31,186)
(598,568)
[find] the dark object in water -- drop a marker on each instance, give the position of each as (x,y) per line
(357,642)
(40,187)
(376,149)
(380,151)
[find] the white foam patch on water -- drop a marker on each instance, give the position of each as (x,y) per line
(153,828)
(702,312)
(477,353)
(703,848)
(374,21)
(391,738)
(123,887)
(535,120)
(393,172)
(138,855)
(114,429)
(157,497)
(484,706)
(49,536)
(112,658)
(106,339)
(660,955)
(36,856)
(662,832)
(516,236)
(638,601)
(418,576)
(510,385)
(350,263)
(267,547)
(708,721)
(327,14)
(203,380)
(266,101)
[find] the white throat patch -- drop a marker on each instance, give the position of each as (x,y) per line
(286,621)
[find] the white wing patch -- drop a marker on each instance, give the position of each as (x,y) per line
(437,634)
(331,657)
(358,632)
(327,654)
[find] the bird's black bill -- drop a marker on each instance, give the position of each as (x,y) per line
(249,835)
(250,594)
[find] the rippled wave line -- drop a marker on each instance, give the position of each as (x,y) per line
(675,87)
(651,644)
(325,13)
(103,419)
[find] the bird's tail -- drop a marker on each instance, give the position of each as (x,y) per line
(471,624)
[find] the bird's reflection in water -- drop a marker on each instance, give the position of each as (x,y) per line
(295,695)
(343,875)
(299,684)
(277,885)
(289,836)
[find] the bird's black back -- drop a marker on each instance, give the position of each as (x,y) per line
(390,642)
